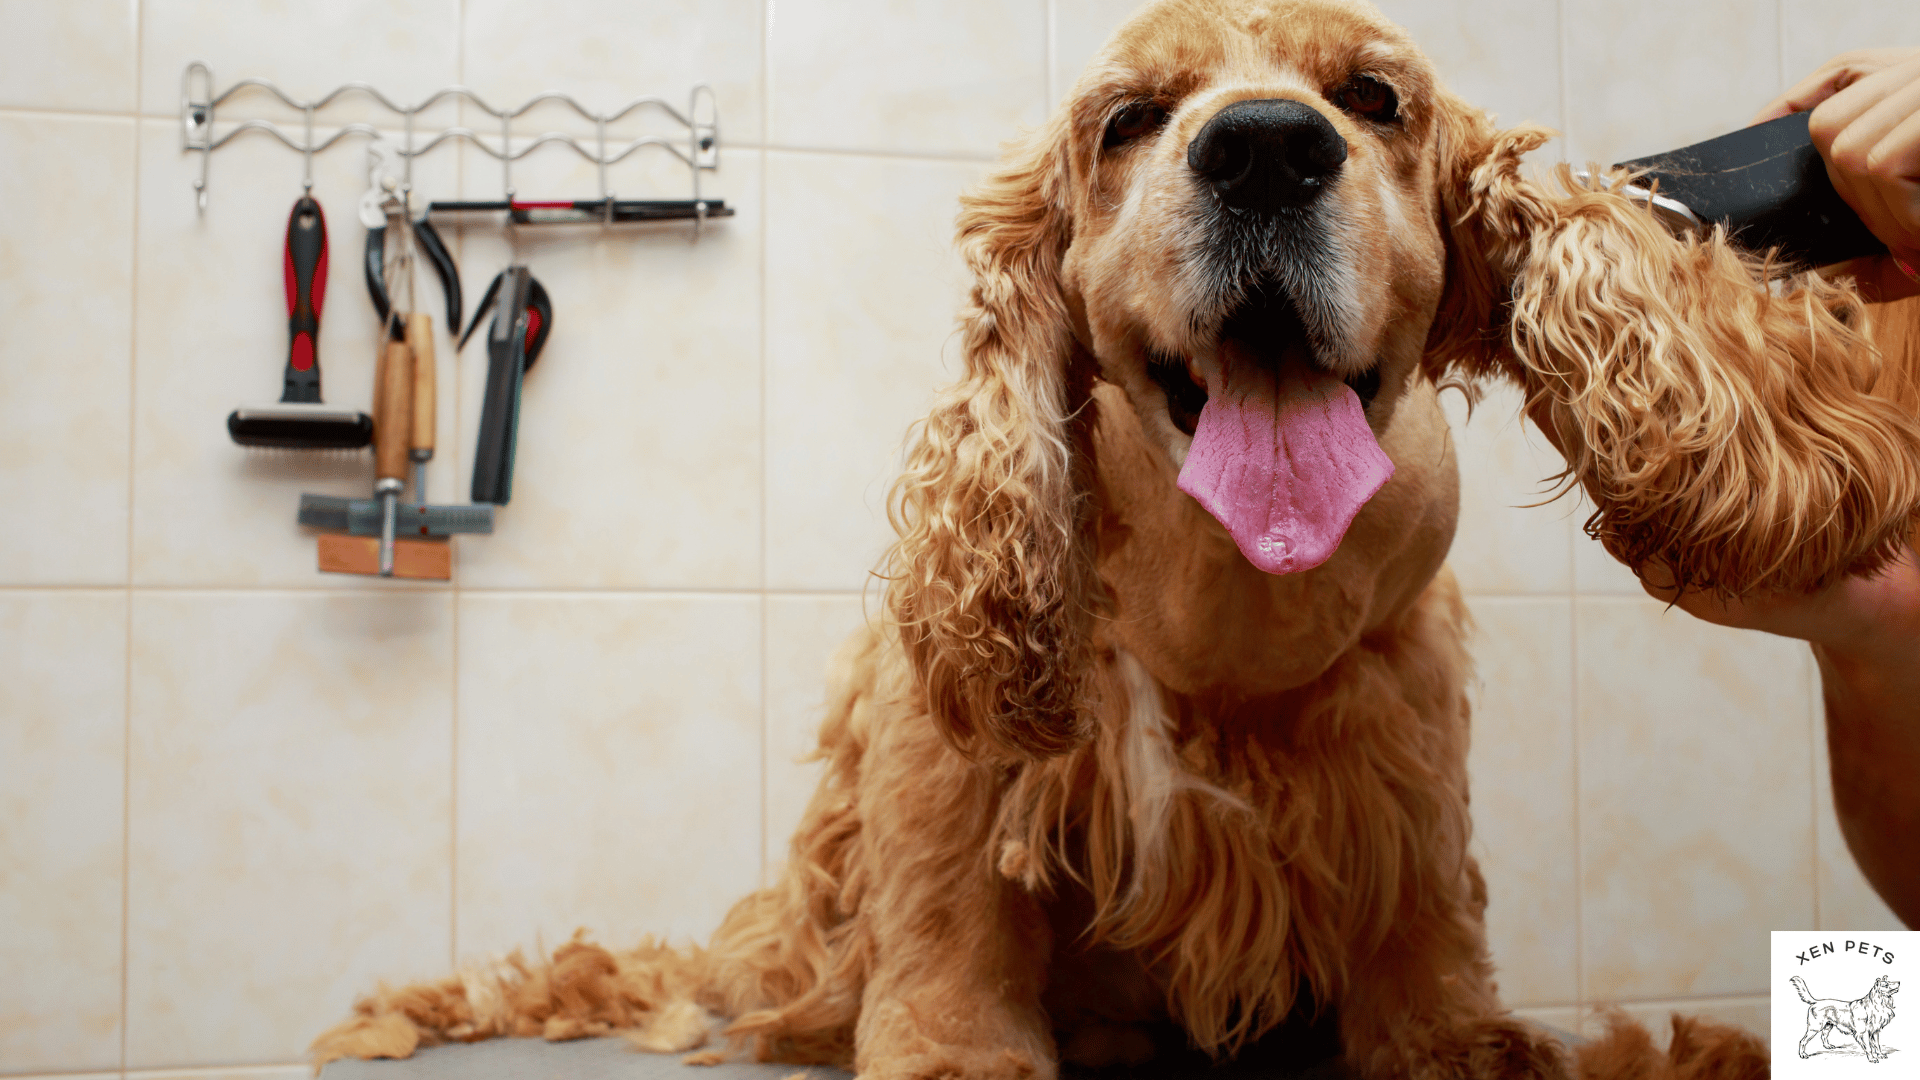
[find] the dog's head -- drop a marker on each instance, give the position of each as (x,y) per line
(1885,987)
(1251,207)
(1269,225)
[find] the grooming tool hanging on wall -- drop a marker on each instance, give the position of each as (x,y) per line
(699,151)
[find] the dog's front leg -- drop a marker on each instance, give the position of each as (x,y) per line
(1424,1006)
(960,953)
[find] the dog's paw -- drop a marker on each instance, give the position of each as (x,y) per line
(895,1046)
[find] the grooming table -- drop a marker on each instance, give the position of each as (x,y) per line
(616,1059)
(538,1059)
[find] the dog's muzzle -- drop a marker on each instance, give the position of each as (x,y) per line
(1268,154)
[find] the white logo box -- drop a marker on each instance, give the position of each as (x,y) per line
(1864,1020)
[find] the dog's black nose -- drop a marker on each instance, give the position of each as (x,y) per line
(1267,154)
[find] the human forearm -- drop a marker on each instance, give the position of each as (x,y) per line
(1871,687)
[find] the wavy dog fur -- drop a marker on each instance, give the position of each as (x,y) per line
(1733,436)
(989,581)
(1092,774)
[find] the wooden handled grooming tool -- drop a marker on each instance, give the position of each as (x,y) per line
(392,423)
(420,441)
(380,517)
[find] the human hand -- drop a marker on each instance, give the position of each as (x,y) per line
(1866,124)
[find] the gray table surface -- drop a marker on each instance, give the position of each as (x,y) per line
(616,1059)
(538,1059)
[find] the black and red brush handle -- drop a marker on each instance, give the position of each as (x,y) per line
(306,272)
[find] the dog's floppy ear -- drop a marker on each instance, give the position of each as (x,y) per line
(988,583)
(1730,423)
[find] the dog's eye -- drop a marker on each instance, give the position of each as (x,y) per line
(1369,99)
(1132,122)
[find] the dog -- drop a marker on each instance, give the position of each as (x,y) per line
(1864,1018)
(1160,740)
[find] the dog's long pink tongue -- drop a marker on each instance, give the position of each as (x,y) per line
(1283,458)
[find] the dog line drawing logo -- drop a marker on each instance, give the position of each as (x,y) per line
(1862,1019)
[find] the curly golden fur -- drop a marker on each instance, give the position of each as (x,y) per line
(1095,776)
(1736,438)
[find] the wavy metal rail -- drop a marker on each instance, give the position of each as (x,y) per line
(199,106)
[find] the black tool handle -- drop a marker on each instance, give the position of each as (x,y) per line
(500,411)
(375,268)
(443,265)
(306,274)
(1768,185)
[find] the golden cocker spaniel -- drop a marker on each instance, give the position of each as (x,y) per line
(1164,728)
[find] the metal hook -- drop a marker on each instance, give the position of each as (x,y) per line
(600,159)
(406,160)
(196,123)
(506,155)
(306,178)
(703,145)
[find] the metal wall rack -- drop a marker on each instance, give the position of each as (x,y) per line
(699,151)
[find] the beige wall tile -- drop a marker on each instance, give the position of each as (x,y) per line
(1501,55)
(62,788)
(606,53)
(863,289)
(1596,573)
(638,460)
(73,55)
(1645,76)
(1522,767)
(1511,538)
(803,634)
(212,336)
(1696,829)
(913,76)
(405,48)
(1080,28)
(1813,32)
(66,284)
(289,826)
(609,761)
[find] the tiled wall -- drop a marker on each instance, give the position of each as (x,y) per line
(233,792)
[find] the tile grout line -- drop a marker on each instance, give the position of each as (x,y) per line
(1814,732)
(1579,837)
(567,591)
(126,718)
(951,157)
(766,449)
(1573,611)
(453,718)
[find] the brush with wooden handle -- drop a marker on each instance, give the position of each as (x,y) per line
(420,440)
(392,423)
(388,556)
